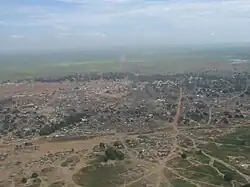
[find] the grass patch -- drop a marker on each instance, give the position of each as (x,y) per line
(222,152)
(100,175)
(201,157)
(70,161)
(56,69)
(205,174)
(223,169)
(203,169)
(239,138)
(181,183)
(183,163)
(57,184)
(217,152)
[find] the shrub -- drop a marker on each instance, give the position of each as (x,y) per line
(228,177)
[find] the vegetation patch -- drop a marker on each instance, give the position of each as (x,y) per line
(225,170)
(34,182)
(71,161)
(205,173)
(239,138)
(181,183)
(100,175)
(57,184)
(183,163)
(199,156)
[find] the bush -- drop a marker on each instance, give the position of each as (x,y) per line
(228,177)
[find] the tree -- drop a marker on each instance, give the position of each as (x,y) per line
(34,175)
(46,130)
(24,180)
(225,120)
(228,177)
(110,153)
(183,155)
(102,145)
(246,185)
(117,143)
(105,158)
(119,155)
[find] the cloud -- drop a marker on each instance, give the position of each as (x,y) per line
(106,12)
(72,1)
(124,20)
(17,36)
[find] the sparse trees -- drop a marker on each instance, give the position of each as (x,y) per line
(112,154)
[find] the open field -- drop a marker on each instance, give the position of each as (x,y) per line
(142,60)
(121,129)
(81,168)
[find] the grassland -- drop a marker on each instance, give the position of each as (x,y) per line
(93,176)
(225,157)
(55,69)
(150,60)
(181,183)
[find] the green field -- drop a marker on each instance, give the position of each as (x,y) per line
(228,154)
(145,60)
(55,69)
(93,176)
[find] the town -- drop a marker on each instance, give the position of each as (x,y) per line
(126,129)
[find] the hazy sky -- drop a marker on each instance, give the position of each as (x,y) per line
(54,24)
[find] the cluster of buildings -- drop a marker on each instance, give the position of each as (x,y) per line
(121,102)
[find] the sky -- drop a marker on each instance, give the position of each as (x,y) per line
(90,24)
